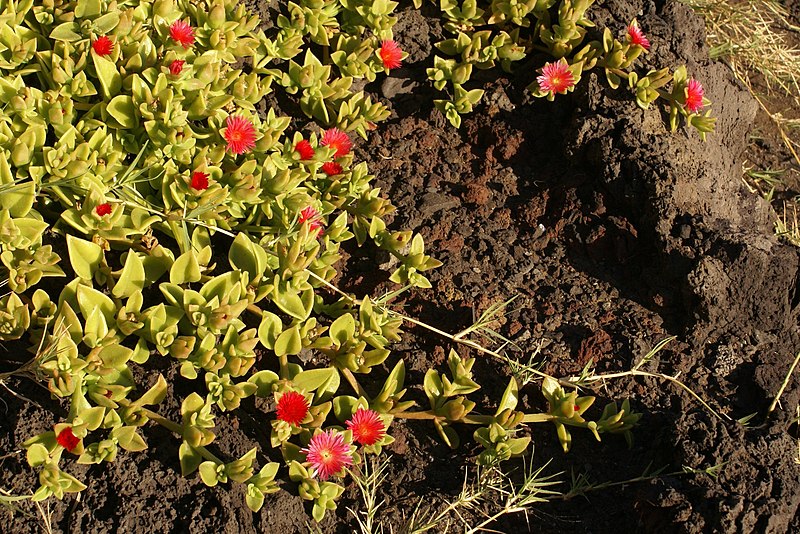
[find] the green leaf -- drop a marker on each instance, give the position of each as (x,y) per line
(129,439)
(247,256)
(90,298)
(287,299)
(343,329)
(185,269)
(66,31)
(121,108)
(154,395)
(104,24)
(132,278)
(107,73)
(254,498)
(37,455)
(314,379)
(318,512)
(264,380)
(189,458)
(433,386)
(87,8)
(269,329)
(92,417)
(344,406)
(115,356)
(289,342)
(510,397)
(518,445)
(208,473)
(19,199)
(449,435)
(84,256)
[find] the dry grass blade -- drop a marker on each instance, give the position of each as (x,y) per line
(369,478)
(752,33)
(787,226)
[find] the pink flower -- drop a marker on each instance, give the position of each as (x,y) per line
(637,37)
(67,439)
(367,427)
(103,209)
(176,67)
(556,77)
(304,148)
(328,453)
(337,140)
(102,46)
(331,168)
(391,54)
(694,96)
(292,408)
(199,181)
(182,33)
(240,134)
(311,216)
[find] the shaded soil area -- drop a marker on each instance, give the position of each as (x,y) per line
(613,234)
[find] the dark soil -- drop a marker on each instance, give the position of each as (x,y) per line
(613,234)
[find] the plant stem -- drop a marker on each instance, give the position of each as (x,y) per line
(537,418)
(471,419)
(454,338)
(662,376)
(283,360)
(177,429)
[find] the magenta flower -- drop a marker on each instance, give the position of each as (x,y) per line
(182,33)
(337,140)
(292,408)
(176,67)
(328,453)
(331,168)
(304,148)
(367,426)
(102,46)
(694,96)
(103,209)
(240,134)
(637,37)
(312,217)
(556,78)
(199,180)
(391,54)
(67,439)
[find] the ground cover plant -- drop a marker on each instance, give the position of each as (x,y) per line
(174,248)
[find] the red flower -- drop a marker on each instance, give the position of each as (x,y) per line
(67,439)
(102,46)
(367,426)
(556,77)
(328,453)
(199,180)
(311,216)
(637,37)
(176,67)
(103,209)
(331,168)
(391,55)
(182,33)
(292,408)
(240,134)
(694,96)
(304,148)
(337,140)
